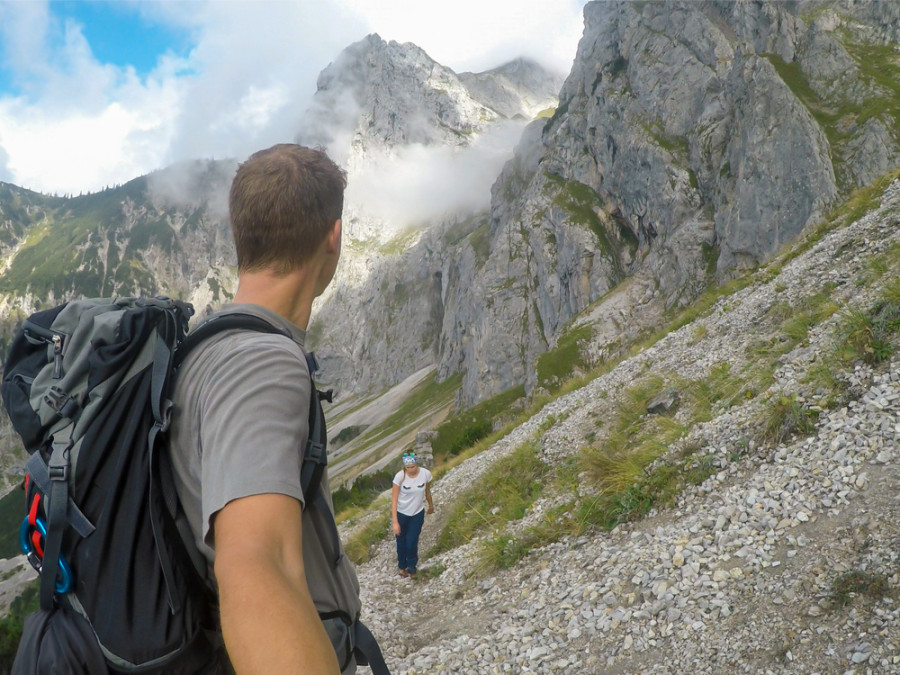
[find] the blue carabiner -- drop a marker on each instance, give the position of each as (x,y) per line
(64,582)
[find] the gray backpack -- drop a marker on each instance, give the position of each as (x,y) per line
(87,385)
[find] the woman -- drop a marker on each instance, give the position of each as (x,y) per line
(412,488)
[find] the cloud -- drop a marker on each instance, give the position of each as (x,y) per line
(416,184)
(255,73)
(76,124)
(5,173)
(80,125)
(473,35)
(192,184)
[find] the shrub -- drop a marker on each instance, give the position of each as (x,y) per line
(12,624)
(363,491)
(858,583)
(466,428)
(786,417)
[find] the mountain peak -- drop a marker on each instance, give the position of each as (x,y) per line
(391,93)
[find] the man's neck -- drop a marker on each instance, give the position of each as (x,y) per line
(289,295)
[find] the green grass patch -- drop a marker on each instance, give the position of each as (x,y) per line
(480,240)
(633,441)
(582,205)
(784,418)
(555,366)
(364,491)
(468,427)
(503,494)
(675,145)
(359,546)
(655,487)
(870,335)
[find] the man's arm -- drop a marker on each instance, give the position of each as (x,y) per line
(269,621)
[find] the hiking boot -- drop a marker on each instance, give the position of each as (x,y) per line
(412,575)
(404,573)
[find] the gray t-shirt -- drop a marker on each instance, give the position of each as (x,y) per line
(239,427)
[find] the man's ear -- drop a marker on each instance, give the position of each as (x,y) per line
(333,239)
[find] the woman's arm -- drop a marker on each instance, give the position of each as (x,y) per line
(430,508)
(395,495)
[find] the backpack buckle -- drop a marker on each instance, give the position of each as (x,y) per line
(58,471)
(61,402)
(316,452)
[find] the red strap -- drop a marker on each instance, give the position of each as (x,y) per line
(27,479)
(32,513)
(36,539)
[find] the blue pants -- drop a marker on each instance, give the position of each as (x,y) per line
(408,540)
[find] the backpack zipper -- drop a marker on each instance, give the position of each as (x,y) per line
(37,334)
(57,355)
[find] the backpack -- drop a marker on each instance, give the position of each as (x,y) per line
(87,385)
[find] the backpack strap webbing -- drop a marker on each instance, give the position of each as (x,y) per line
(39,475)
(367,650)
(56,517)
(351,638)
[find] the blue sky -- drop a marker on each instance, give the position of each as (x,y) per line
(96,93)
(120,35)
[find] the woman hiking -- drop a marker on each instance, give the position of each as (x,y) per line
(412,488)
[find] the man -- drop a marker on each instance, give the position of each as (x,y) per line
(240,426)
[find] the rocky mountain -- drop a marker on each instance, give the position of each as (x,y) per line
(755,532)
(168,233)
(691,141)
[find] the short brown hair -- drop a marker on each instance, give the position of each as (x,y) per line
(283,202)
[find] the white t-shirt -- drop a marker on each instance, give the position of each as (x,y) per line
(412,491)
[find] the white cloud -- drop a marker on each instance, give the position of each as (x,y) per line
(78,124)
(417,183)
(474,35)
(5,173)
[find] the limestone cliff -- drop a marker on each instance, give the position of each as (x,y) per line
(691,140)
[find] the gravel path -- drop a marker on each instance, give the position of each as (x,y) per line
(738,576)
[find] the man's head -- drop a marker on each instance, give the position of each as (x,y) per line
(284,202)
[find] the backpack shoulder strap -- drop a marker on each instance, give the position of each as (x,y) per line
(222,322)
